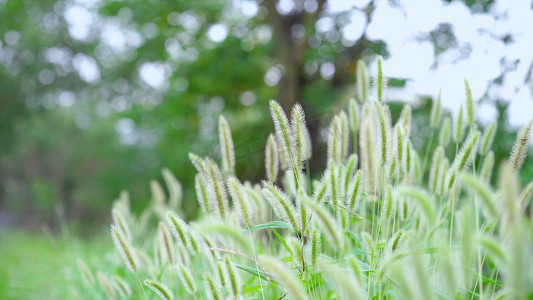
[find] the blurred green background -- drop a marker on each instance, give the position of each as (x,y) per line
(98,96)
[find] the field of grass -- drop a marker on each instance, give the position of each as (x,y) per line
(38,266)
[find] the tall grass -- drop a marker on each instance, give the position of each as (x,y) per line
(374,226)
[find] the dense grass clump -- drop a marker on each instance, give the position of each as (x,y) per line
(383,221)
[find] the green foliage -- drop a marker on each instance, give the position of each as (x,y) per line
(467,240)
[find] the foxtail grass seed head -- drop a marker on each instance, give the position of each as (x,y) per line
(160,289)
(158,195)
(398,140)
(212,287)
(467,152)
(424,200)
(344,134)
(121,286)
(407,159)
(106,285)
(397,238)
(458,126)
(417,166)
(353,115)
(434,171)
(488,138)
(321,189)
(85,272)
(405,119)
(174,187)
(282,205)
(198,163)
(299,130)
(334,141)
(234,279)
(383,121)
(367,153)
(487,166)
(469,104)
(355,192)
(240,201)
(179,229)
(380,81)
(226,146)
(350,170)
(435,112)
(388,205)
(444,136)
(271,159)
(316,246)
(334,192)
(125,249)
(283,132)
(167,246)
(445,165)
(216,188)
(519,150)
(362,82)
(202,193)
(186,278)
(120,222)
(283,276)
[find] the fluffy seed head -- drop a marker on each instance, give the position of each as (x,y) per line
(197,162)
(519,151)
(434,170)
(179,229)
(344,134)
(487,166)
(202,193)
(125,249)
(469,104)
(186,278)
(335,141)
(282,205)
(271,159)
(158,195)
(120,222)
(226,145)
(380,82)
(362,82)
(212,287)
(405,119)
(174,188)
(355,192)
(217,191)
(283,276)
(367,152)
(388,205)
(458,126)
(166,246)
(383,121)
(240,201)
(488,138)
(283,132)
(234,280)
(160,289)
(86,273)
(444,136)
(435,112)
(353,114)
(121,286)
(106,285)
(299,130)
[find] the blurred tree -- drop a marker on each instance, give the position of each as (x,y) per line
(98,96)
